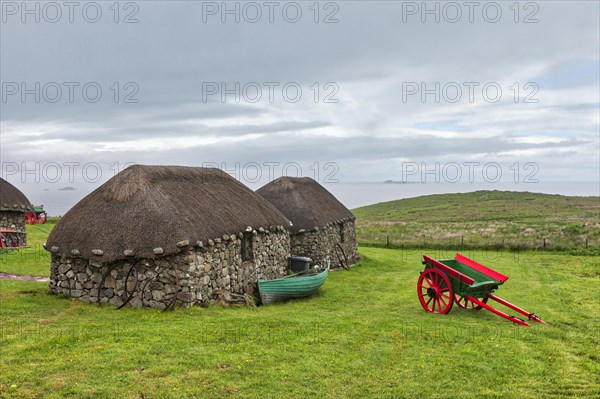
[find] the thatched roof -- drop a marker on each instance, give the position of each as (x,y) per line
(304,202)
(12,199)
(148,207)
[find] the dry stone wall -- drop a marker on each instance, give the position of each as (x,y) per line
(200,274)
(319,244)
(10,220)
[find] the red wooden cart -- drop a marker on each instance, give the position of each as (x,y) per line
(38,215)
(466,282)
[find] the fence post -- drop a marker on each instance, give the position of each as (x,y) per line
(387,241)
(462,241)
(544,244)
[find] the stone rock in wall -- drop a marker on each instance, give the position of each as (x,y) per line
(157,305)
(110,282)
(158,295)
(135,302)
(63,268)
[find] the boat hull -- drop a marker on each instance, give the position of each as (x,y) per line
(297,286)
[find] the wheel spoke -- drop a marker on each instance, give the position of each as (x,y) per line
(427,303)
(465,303)
(441,305)
(428,281)
(445,303)
(439,302)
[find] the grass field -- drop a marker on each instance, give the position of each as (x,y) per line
(34,261)
(484,220)
(364,335)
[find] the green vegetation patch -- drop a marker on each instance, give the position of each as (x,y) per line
(484,220)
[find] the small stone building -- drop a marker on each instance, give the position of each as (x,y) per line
(163,235)
(320,223)
(13,207)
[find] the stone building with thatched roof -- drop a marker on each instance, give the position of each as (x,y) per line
(13,207)
(321,225)
(161,235)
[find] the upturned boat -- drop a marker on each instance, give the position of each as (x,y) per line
(294,286)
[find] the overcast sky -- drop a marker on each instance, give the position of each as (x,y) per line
(369,63)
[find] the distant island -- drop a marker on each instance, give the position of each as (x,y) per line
(397,182)
(68,188)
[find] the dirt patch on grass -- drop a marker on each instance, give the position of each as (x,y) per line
(10,276)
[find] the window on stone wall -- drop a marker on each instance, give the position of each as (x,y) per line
(342,234)
(247,250)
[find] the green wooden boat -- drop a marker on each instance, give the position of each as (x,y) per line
(294,286)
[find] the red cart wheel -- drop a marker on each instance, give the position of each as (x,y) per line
(435,291)
(31,217)
(41,219)
(464,303)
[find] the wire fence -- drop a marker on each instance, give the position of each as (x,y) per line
(584,245)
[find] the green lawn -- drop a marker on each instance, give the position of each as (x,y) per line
(363,335)
(484,220)
(34,260)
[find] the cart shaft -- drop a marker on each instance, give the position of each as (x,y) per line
(529,315)
(496,311)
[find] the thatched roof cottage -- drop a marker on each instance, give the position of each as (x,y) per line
(321,223)
(13,207)
(159,235)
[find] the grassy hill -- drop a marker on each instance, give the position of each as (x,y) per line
(484,219)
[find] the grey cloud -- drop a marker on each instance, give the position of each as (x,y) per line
(369,54)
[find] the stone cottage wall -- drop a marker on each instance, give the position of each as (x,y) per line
(199,274)
(10,220)
(350,243)
(319,244)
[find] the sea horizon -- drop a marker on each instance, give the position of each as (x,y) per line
(57,201)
